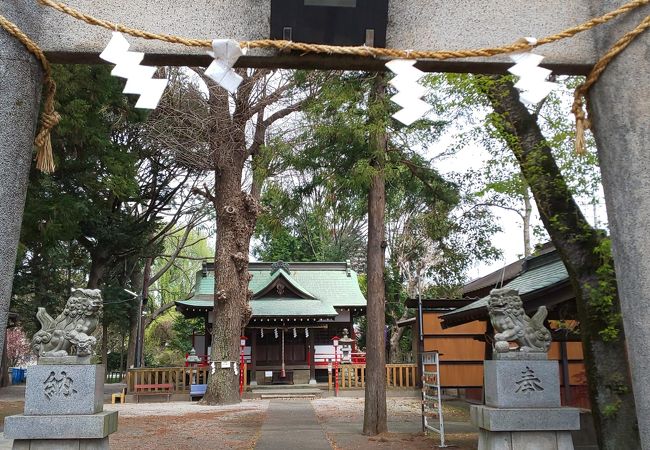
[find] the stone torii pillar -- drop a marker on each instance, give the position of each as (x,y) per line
(20,93)
(620,113)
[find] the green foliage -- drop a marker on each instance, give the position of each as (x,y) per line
(603,296)
(118,305)
(318,213)
(169,338)
(611,409)
(79,212)
(498,183)
(178,282)
(183,330)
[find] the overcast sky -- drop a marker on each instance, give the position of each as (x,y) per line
(510,240)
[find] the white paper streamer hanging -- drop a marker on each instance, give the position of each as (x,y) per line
(306,332)
(262,333)
(532,82)
(295,334)
(409,92)
(225,52)
(138,78)
(275,331)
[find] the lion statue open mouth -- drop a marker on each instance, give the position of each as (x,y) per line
(72,328)
(511,323)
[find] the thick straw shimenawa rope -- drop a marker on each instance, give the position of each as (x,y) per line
(49,117)
(580,95)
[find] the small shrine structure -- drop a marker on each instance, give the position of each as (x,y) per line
(297,308)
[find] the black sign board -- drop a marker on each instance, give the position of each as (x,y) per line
(334,22)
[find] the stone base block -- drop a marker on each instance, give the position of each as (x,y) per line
(61,444)
(522,383)
(96,426)
(524,440)
(58,389)
(525,419)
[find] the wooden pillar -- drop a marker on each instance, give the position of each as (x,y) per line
(312,359)
(253,377)
(207,335)
(566,379)
(489,332)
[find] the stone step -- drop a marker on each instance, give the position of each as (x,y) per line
(288,396)
(275,387)
(287,391)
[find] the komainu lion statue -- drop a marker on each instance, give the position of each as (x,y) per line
(72,328)
(511,323)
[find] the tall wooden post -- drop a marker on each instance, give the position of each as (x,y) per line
(312,359)
(253,377)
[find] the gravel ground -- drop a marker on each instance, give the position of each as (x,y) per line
(181,425)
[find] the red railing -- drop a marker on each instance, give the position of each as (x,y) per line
(323,359)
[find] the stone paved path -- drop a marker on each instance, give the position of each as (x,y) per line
(304,430)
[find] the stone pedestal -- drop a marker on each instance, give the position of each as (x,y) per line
(63,409)
(522,407)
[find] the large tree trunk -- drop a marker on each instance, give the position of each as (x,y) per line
(394,350)
(236,215)
(374,417)
(137,279)
(395,355)
(584,252)
(97,270)
(528,210)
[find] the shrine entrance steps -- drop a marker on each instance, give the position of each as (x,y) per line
(289,392)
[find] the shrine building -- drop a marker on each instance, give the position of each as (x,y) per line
(297,308)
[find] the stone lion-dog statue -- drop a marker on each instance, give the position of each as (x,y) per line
(511,323)
(72,328)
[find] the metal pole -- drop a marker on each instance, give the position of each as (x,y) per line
(421,350)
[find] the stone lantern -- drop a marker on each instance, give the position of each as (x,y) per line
(346,347)
(192,358)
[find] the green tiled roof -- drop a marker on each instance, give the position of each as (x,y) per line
(277,307)
(531,280)
(330,285)
(289,278)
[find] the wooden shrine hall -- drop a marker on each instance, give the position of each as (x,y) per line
(297,308)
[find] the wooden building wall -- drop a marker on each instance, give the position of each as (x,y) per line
(462,356)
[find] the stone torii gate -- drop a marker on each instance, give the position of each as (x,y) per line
(620,100)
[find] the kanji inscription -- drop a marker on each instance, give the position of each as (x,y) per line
(58,385)
(529,382)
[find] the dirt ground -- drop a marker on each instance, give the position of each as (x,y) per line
(342,420)
(181,425)
(184,425)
